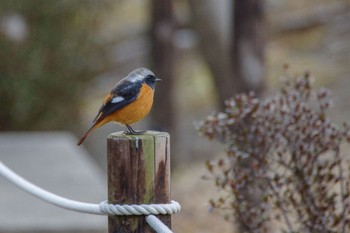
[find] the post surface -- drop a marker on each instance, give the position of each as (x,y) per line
(138,173)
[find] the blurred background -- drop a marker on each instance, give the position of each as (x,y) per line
(60,58)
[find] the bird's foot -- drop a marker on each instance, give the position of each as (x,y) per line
(133,132)
(141,132)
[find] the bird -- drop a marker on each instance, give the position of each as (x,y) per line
(128,102)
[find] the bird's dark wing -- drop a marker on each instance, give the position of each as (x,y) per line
(123,94)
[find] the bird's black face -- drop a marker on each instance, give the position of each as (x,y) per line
(150,80)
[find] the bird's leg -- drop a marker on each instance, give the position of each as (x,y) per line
(133,132)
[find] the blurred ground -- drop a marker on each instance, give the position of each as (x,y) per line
(193,193)
(52,161)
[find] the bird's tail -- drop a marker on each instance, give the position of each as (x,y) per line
(86,134)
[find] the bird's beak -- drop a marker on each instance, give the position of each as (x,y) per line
(158,80)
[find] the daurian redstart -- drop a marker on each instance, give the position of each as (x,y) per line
(128,102)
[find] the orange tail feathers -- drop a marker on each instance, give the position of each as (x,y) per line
(86,134)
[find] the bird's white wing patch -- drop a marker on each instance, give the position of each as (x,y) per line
(117,99)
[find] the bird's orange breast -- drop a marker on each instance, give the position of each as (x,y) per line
(134,111)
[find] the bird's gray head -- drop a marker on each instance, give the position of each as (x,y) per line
(139,74)
(143,75)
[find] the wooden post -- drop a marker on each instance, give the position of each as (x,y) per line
(138,173)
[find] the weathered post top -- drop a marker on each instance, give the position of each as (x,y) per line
(138,173)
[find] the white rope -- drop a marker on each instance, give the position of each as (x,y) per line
(104,208)
(157,225)
(47,196)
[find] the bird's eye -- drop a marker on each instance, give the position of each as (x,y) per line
(150,78)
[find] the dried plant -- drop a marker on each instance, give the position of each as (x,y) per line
(291,150)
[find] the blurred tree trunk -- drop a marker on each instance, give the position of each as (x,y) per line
(247,53)
(247,59)
(237,63)
(248,44)
(213,46)
(162,26)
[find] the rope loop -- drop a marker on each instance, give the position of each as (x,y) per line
(143,209)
